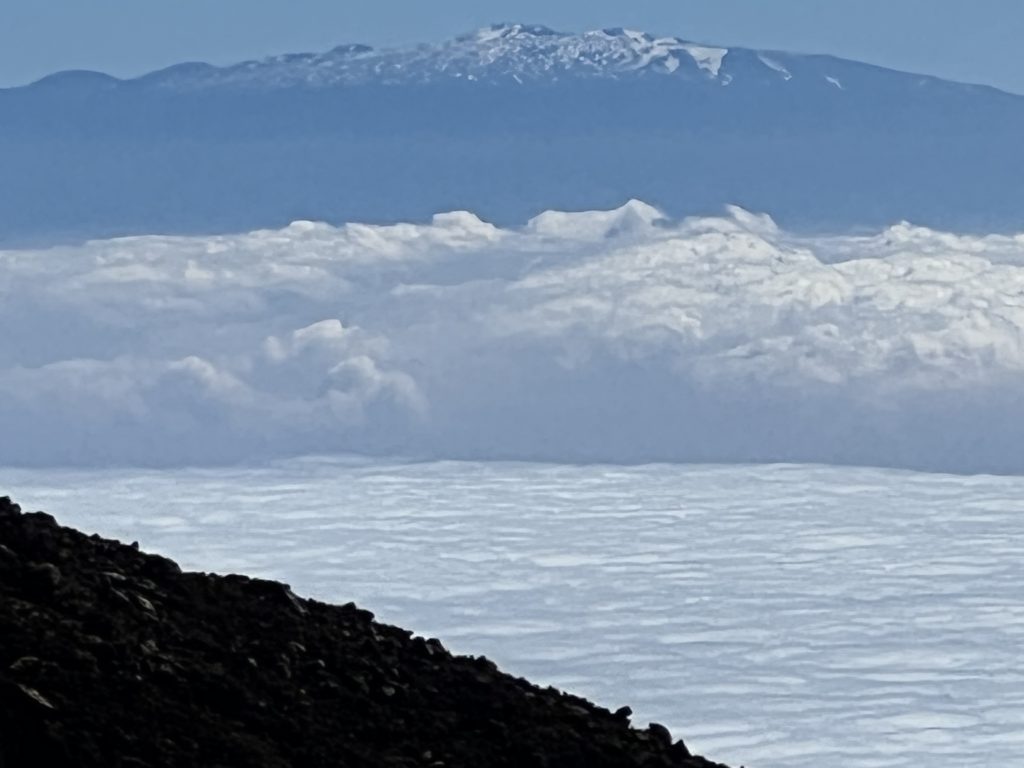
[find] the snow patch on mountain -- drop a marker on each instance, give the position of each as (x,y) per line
(708,59)
(775,66)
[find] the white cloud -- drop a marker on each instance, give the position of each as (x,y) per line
(615,335)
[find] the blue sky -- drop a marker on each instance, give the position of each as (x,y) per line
(975,40)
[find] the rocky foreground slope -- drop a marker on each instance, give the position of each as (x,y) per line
(113,657)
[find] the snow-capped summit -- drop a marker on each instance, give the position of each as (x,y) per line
(500,52)
(519,54)
(508,120)
(505,31)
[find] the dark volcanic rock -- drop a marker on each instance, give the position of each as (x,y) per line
(111,657)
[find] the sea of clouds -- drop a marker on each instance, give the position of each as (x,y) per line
(778,616)
(615,336)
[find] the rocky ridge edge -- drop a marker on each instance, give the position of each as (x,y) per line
(113,657)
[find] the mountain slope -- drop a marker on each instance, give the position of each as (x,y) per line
(112,657)
(507,121)
(522,54)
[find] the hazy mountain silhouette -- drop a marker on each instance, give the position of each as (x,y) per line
(507,121)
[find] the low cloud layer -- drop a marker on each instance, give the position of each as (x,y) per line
(615,336)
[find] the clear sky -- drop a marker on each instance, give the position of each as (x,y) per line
(971,40)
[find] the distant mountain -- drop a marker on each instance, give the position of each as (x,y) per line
(518,53)
(507,121)
(502,53)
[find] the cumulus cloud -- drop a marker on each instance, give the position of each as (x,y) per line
(604,335)
(340,366)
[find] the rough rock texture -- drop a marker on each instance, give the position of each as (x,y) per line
(112,657)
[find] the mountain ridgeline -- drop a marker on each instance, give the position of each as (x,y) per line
(507,121)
